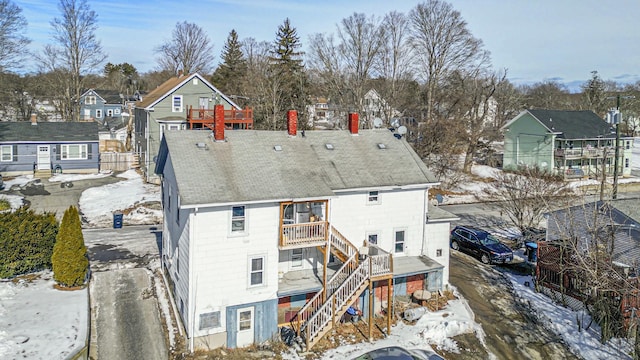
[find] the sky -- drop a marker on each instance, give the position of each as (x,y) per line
(541,40)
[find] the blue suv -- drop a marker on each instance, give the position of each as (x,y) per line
(480,244)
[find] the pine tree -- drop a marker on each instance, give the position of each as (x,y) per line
(230,73)
(287,61)
(69,258)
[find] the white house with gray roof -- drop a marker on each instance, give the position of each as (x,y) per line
(267,229)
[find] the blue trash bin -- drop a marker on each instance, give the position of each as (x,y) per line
(117,220)
(532,251)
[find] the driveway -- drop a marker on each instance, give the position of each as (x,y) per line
(127,322)
(510,331)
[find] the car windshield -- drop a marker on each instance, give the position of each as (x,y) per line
(489,240)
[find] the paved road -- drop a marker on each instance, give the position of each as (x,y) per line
(126,319)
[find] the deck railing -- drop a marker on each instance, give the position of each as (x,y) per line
(341,243)
(233,118)
(303,234)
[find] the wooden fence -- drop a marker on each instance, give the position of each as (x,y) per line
(117,161)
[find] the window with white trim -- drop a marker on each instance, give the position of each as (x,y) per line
(90,100)
(400,236)
(109,112)
(373,197)
(116,111)
(210,320)
(438,252)
(256,271)
(6,152)
(98,113)
(238,219)
(176,102)
(74,152)
(626,162)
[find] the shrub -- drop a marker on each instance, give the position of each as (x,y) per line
(69,258)
(26,241)
(4,205)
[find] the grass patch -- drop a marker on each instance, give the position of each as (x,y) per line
(4,205)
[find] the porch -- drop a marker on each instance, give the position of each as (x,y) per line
(233,119)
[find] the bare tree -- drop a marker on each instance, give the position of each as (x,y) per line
(347,66)
(75,52)
(395,64)
(189,50)
(13,43)
(547,95)
(525,196)
(442,44)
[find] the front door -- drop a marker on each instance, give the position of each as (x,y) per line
(245,327)
(44,157)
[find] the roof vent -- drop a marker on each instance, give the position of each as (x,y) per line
(202,146)
(277,148)
(329,146)
(382,146)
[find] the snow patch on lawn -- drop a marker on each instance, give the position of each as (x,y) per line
(79,177)
(98,204)
(39,322)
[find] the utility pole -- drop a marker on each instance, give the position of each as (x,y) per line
(614,193)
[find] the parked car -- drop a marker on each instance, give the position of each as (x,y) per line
(481,244)
(399,353)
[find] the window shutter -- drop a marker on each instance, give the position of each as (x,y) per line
(89,154)
(15,153)
(58,154)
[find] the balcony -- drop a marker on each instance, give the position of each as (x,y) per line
(233,119)
(293,236)
(584,153)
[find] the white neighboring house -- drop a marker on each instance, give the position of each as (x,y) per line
(265,229)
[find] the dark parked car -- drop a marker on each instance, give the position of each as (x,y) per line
(481,244)
(398,353)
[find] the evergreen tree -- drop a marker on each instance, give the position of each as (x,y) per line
(69,258)
(229,75)
(286,59)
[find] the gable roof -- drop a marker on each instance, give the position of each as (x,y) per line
(173,84)
(570,124)
(108,96)
(247,168)
(24,131)
(581,221)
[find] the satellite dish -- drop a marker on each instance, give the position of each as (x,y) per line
(377,123)
(402,130)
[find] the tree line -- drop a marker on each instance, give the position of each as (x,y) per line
(426,65)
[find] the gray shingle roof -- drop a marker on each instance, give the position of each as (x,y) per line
(24,131)
(247,168)
(574,124)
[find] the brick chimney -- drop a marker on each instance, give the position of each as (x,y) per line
(34,120)
(292,122)
(218,122)
(353,123)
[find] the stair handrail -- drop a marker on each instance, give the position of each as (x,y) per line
(341,243)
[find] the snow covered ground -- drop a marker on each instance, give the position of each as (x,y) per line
(40,322)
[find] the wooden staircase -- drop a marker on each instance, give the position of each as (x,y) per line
(327,307)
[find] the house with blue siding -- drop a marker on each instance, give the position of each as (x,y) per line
(47,147)
(271,229)
(100,104)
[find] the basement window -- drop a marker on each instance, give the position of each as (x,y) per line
(210,320)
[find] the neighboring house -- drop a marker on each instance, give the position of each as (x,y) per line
(182,102)
(27,147)
(100,104)
(374,106)
(573,144)
(611,228)
(264,229)
(113,133)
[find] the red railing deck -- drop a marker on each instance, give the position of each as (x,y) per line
(233,119)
